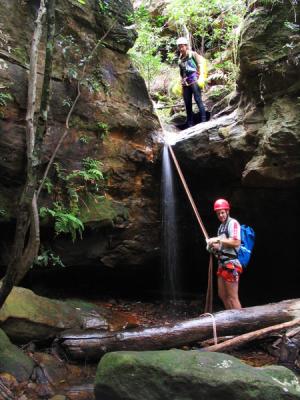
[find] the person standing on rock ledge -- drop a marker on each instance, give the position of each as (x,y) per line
(225,246)
(189,65)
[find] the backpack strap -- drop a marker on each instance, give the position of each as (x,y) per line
(226,232)
(192,54)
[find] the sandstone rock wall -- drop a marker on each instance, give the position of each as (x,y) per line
(113,122)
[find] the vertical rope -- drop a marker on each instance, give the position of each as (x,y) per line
(209,292)
(188,193)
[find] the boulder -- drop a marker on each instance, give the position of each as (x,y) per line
(188,375)
(26,316)
(13,360)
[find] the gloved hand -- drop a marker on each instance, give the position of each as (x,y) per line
(210,249)
(201,82)
(212,240)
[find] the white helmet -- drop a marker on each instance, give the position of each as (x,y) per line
(182,40)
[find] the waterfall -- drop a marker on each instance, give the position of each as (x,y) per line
(169,230)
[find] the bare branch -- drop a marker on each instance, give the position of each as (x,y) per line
(32,80)
(248,337)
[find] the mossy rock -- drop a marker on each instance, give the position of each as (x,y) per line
(13,360)
(100,211)
(190,375)
(26,316)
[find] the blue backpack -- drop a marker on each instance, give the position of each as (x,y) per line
(247,243)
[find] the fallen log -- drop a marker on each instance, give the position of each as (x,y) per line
(248,337)
(91,345)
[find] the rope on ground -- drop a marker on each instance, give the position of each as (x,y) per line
(214,326)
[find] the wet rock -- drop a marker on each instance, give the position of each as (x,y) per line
(189,374)
(268,51)
(84,392)
(276,161)
(13,360)
(26,316)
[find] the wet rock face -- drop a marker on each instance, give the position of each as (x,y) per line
(269,54)
(112,122)
(269,49)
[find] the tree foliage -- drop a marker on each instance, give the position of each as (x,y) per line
(212,25)
(145,53)
(213,21)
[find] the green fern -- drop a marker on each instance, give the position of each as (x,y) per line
(65,221)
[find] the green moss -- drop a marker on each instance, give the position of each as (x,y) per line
(100,209)
(189,374)
(100,128)
(21,54)
(13,360)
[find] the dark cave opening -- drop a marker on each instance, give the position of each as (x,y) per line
(272,275)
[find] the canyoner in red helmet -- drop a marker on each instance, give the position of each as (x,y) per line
(225,246)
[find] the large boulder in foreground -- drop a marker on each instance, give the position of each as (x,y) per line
(13,360)
(188,375)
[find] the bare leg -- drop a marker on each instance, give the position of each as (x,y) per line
(222,290)
(232,295)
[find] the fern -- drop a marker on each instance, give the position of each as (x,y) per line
(72,189)
(68,223)
(65,220)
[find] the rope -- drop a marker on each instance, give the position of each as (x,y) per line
(188,193)
(209,293)
(214,326)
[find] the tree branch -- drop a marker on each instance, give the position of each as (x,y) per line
(26,204)
(248,337)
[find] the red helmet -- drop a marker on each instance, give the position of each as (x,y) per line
(221,204)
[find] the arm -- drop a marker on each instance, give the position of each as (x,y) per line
(234,233)
(230,242)
(234,240)
(217,243)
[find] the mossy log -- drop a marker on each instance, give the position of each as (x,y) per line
(91,345)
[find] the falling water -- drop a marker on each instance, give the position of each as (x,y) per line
(169,229)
